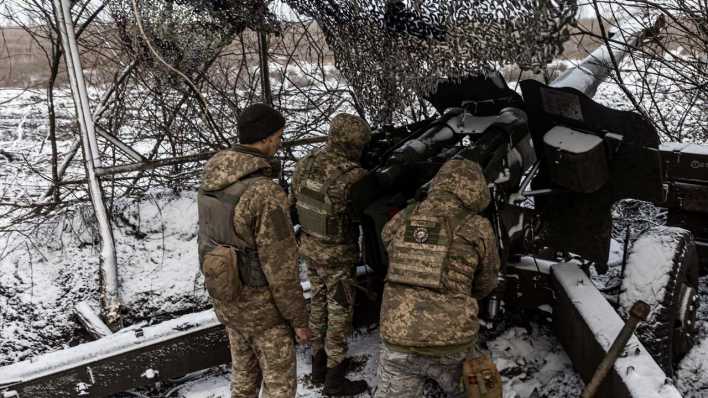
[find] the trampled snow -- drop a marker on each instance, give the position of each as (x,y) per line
(693,370)
(527,359)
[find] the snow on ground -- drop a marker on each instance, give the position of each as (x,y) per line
(159,272)
(527,359)
(693,370)
(158,269)
(531,359)
(363,351)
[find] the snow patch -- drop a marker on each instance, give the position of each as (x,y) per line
(166,273)
(689,149)
(569,140)
(649,267)
(693,370)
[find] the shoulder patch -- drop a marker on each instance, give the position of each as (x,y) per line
(279,223)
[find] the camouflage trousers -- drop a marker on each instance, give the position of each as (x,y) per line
(331,307)
(402,375)
(267,356)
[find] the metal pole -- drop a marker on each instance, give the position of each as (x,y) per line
(638,312)
(110,298)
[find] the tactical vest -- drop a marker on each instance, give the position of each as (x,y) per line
(317,215)
(420,257)
(216,215)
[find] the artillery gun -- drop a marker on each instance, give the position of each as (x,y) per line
(556,161)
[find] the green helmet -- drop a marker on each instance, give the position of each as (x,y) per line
(348,134)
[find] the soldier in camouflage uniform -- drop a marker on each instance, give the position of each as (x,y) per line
(442,259)
(240,206)
(329,244)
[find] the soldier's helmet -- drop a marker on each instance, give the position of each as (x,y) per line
(349,134)
(465,180)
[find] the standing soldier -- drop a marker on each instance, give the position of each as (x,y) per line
(321,192)
(248,255)
(442,259)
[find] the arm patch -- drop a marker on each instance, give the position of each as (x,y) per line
(279,223)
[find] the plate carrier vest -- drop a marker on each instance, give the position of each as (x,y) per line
(216,215)
(314,207)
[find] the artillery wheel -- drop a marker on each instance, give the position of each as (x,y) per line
(662,270)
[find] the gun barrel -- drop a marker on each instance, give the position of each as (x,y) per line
(596,67)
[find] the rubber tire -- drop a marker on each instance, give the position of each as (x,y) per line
(657,333)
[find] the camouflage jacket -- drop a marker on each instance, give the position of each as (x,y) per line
(261,220)
(413,316)
(332,162)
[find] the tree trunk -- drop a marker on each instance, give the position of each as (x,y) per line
(110,295)
(265,70)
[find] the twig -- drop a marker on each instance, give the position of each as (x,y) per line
(615,66)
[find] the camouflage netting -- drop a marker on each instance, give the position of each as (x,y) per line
(187,33)
(391,50)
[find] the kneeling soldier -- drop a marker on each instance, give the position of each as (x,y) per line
(442,258)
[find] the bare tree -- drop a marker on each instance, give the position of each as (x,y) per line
(142,104)
(666,80)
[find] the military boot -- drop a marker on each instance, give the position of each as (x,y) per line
(336,385)
(319,367)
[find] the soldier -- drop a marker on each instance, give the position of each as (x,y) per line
(442,259)
(248,255)
(329,244)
